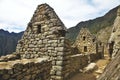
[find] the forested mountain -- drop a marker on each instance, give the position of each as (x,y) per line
(94,25)
(8,41)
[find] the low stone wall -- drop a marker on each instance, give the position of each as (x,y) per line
(26,69)
(77,62)
(32,68)
(94,57)
(10,57)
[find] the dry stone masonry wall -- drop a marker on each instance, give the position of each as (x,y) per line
(115,35)
(26,69)
(86,42)
(45,36)
(10,57)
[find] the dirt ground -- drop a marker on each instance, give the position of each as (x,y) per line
(95,74)
(84,76)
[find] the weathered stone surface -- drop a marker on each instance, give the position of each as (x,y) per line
(112,71)
(25,69)
(115,35)
(10,57)
(44,36)
(87,43)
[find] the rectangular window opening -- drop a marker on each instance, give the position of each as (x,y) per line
(84,38)
(85,48)
(38,29)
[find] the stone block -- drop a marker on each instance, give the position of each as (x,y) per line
(31,45)
(58,73)
(54,44)
(60,53)
(57,68)
(59,48)
(59,63)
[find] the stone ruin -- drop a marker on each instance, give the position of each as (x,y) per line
(114,40)
(45,37)
(25,69)
(43,53)
(88,43)
(43,34)
(112,71)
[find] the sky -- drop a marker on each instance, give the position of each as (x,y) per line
(15,14)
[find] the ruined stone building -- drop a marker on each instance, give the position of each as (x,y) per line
(87,43)
(45,37)
(44,32)
(115,35)
(43,53)
(112,71)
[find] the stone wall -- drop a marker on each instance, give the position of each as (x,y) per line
(10,57)
(77,62)
(112,71)
(26,69)
(115,35)
(94,57)
(59,63)
(86,42)
(32,68)
(45,36)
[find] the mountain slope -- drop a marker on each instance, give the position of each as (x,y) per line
(8,41)
(104,34)
(93,25)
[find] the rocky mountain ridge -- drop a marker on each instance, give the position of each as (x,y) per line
(8,41)
(94,25)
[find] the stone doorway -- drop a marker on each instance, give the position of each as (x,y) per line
(110,45)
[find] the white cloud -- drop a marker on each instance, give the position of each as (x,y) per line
(15,14)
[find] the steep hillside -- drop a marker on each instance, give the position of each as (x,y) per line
(8,41)
(94,25)
(104,34)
